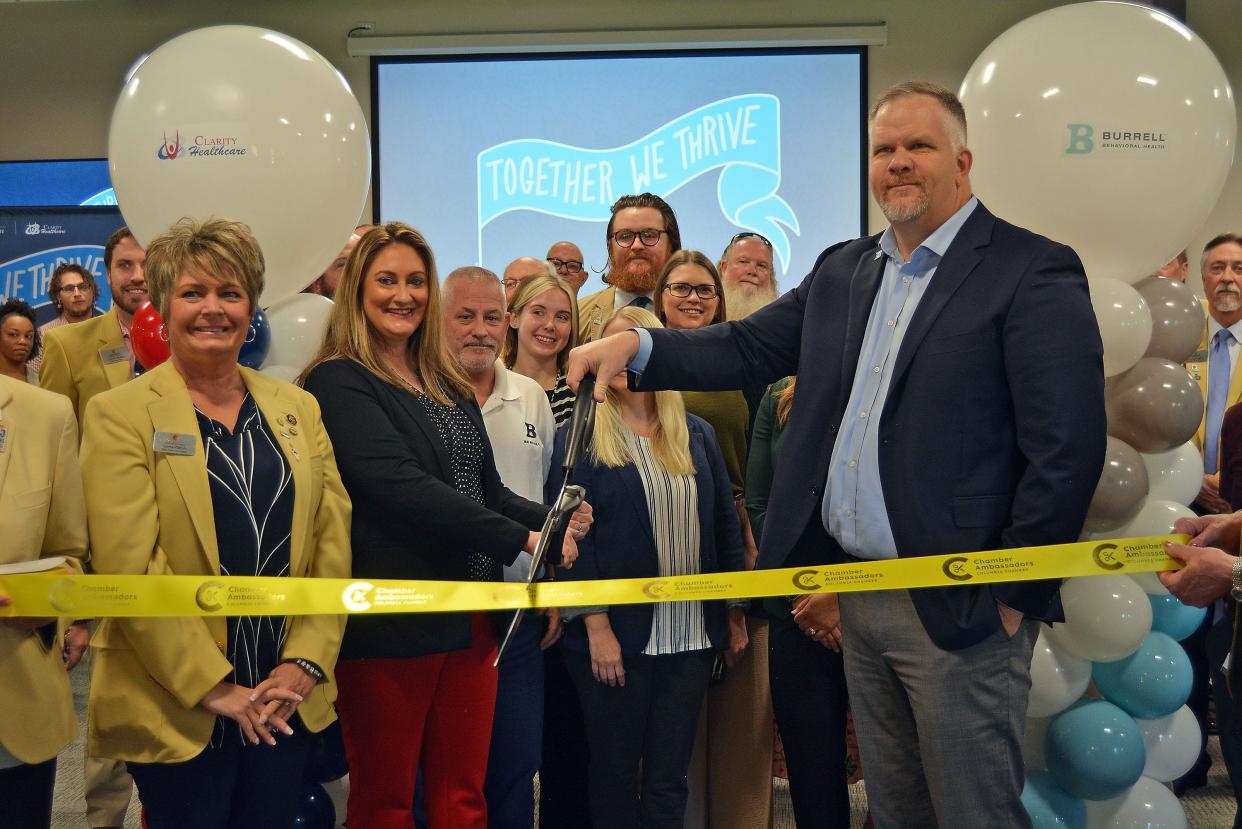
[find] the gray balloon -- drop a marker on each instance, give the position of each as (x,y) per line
(1177,318)
(1123,486)
(1154,406)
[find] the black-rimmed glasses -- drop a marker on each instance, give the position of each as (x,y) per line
(649,237)
(566,265)
(681,290)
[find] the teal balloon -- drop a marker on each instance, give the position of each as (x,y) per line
(1152,682)
(1171,617)
(1094,750)
(1049,806)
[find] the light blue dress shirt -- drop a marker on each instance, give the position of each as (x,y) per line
(853,509)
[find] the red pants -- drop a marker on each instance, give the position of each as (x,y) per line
(431,711)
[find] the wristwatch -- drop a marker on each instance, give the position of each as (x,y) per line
(1235,591)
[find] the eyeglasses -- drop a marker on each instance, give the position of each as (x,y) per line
(625,238)
(681,290)
(566,265)
(750,234)
(73,289)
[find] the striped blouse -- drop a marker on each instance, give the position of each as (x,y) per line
(673,504)
(561,397)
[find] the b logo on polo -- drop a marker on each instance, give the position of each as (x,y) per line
(955,568)
(805,579)
(530,431)
(656,590)
(208,596)
(354,597)
(1104,557)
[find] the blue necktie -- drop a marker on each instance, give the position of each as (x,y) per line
(1219,374)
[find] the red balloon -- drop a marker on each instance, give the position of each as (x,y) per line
(148,338)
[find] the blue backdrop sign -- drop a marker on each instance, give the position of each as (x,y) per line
(34,241)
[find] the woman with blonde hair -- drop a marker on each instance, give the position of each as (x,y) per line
(663,507)
(417,689)
(201,467)
(543,327)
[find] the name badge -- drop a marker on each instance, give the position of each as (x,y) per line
(172,443)
(120,354)
(4,437)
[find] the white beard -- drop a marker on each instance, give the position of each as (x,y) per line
(743,300)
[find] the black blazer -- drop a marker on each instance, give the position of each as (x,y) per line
(409,522)
(620,544)
(993,431)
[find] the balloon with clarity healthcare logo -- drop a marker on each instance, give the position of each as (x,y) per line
(1121,490)
(1106,618)
(249,124)
(1049,806)
(1152,682)
(1176,318)
(1125,323)
(1148,804)
(1095,750)
(1175,475)
(1078,115)
(1057,678)
(1154,406)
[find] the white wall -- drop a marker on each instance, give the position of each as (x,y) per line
(61,63)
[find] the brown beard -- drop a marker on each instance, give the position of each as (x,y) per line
(634,283)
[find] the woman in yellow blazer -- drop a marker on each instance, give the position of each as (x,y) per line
(40,517)
(201,467)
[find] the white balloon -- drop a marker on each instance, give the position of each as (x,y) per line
(1155,517)
(1175,475)
(298,323)
(1033,754)
(1149,804)
(287,373)
(1058,678)
(1125,323)
(1079,114)
(1172,744)
(1106,618)
(249,124)
(1150,583)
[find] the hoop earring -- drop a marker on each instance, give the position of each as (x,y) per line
(251,333)
(163,333)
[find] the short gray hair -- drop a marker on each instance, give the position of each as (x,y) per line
(473,273)
(954,111)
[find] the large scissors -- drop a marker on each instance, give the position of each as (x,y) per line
(581,427)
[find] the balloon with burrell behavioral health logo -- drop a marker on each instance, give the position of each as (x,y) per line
(1078,115)
(249,124)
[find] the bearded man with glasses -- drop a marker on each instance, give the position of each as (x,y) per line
(642,234)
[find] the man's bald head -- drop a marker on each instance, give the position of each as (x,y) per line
(523,268)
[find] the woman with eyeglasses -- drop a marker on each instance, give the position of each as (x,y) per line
(730,776)
(543,327)
(663,507)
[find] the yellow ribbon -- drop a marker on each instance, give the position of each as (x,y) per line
(62,594)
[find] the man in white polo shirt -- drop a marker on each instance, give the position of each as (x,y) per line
(520,428)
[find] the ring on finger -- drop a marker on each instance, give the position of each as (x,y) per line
(812,631)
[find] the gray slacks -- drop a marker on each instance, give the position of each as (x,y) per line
(940,732)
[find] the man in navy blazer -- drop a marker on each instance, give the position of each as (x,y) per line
(950,398)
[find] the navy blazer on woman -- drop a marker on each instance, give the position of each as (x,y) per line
(409,522)
(992,434)
(621,545)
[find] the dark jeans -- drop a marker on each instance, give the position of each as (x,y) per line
(26,796)
(809,699)
(563,801)
(517,731)
(651,721)
(231,786)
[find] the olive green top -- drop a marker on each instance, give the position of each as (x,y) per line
(765,447)
(728,414)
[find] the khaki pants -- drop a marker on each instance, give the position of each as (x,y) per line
(731,770)
(107,785)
